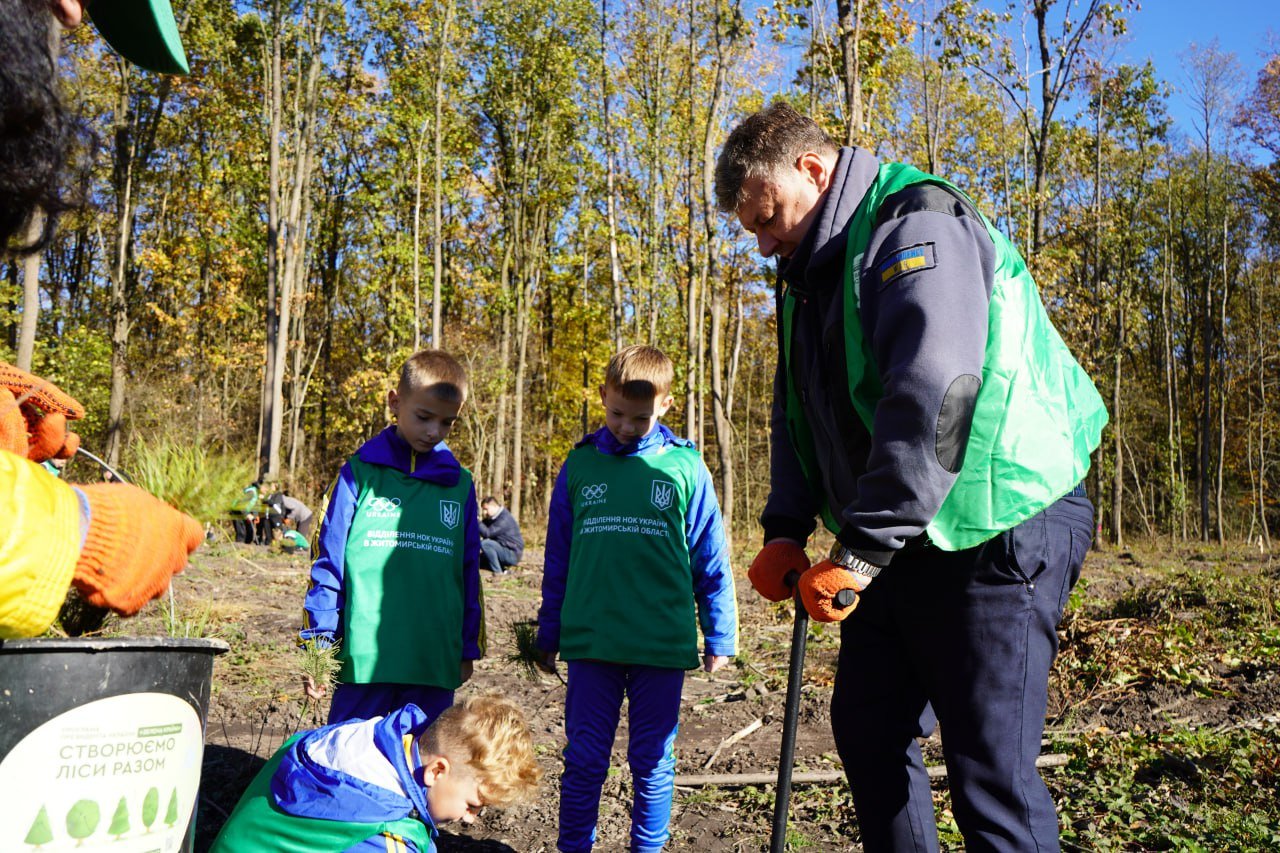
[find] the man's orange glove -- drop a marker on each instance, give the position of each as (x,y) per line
(820,585)
(33,416)
(135,543)
(769,570)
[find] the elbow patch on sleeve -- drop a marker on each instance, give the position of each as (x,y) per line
(954,421)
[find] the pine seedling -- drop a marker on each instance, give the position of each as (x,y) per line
(320,663)
(527,655)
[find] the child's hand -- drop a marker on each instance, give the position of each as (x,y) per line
(468,669)
(313,690)
(711,663)
(547,663)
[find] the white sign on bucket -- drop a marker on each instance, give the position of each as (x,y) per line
(117,774)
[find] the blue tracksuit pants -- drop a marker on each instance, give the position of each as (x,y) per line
(365,701)
(592,707)
(969,636)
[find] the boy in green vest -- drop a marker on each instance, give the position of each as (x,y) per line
(384,784)
(634,542)
(396,577)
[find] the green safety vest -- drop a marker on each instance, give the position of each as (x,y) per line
(257,825)
(629,594)
(402,617)
(1037,417)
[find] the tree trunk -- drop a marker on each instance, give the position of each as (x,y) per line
(30,294)
(849,13)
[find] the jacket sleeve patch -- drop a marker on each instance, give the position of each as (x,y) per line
(903,261)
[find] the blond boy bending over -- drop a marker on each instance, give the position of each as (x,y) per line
(384,784)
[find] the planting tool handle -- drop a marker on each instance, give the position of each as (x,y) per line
(790,722)
(843,599)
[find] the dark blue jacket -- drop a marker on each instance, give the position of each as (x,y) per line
(324,599)
(713,588)
(925,330)
(505,530)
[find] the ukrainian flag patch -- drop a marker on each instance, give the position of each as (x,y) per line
(903,261)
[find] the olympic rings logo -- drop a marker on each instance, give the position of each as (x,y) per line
(381,504)
(596,492)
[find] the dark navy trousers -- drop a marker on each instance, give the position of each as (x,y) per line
(365,701)
(592,708)
(964,639)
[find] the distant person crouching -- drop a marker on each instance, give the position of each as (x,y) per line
(501,544)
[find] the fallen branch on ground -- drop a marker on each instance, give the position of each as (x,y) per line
(732,739)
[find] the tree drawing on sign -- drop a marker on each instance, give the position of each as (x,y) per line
(150,806)
(120,820)
(82,820)
(171,812)
(40,831)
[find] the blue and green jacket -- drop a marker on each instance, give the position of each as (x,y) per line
(712,578)
(352,787)
(326,596)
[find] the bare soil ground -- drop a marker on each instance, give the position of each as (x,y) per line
(252,598)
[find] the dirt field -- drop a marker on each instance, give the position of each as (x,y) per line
(252,598)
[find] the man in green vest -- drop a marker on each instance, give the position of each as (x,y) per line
(928,412)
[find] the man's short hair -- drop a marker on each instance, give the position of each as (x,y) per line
(437,370)
(489,736)
(490,500)
(770,140)
(639,372)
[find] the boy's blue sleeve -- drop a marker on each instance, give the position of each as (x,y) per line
(555,572)
(325,597)
(713,587)
(472,607)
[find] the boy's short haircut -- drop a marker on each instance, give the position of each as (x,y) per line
(639,372)
(488,735)
(772,139)
(437,370)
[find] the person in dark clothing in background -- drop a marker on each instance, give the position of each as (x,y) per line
(294,510)
(501,544)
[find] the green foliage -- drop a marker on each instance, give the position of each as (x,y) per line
(1180,790)
(82,820)
(120,820)
(150,807)
(40,831)
(527,654)
(320,663)
(186,473)
(171,811)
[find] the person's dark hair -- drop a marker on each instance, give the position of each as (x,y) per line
(490,501)
(771,139)
(36,132)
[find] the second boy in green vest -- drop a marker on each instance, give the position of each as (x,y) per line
(396,579)
(635,545)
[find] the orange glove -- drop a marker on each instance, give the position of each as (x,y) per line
(818,588)
(134,544)
(33,416)
(769,570)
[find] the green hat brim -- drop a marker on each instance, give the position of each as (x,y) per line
(143,32)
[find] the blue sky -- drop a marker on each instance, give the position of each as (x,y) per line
(1163,29)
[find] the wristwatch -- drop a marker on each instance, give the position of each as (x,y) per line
(842,556)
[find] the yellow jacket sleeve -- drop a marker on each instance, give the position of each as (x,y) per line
(39,545)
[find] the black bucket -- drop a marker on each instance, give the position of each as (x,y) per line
(101,743)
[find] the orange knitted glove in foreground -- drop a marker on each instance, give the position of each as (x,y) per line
(135,543)
(33,416)
(819,586)
(769,570)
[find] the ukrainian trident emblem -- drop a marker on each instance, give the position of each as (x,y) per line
(663,494)
(450,514)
